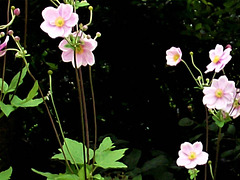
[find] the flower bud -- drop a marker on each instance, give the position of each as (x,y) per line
(10,32)
(16,12)
(90,8)
(85,27)
(98,34)
(17,38)
(228,46)
(2,34)
(50,72)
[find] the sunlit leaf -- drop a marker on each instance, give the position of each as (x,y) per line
(5,175)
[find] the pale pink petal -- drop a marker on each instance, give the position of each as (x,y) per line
(210,67)
(222,82)
(90,44)
(186,148)
(191,165)
(67,31)
(202,158)
(4,44)
(62,45)
(53,31)
(88,58)
(68,56)
(50,14)
(197,147)
(65,11)
(219,50)
(79,61)
(183,161)
(72,21)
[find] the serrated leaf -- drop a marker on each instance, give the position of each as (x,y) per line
(5,175)
(6,108)
(108,158)
(76,150)
(17,102)
(51,176)
(15,80)
(3,88)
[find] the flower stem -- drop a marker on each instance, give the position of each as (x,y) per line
(191,73)
(191,54)
(207,129)
(58,120)
(94,114)
(217,152)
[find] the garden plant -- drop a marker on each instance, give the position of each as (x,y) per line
(68,24)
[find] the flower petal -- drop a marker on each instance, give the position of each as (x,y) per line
(65,11)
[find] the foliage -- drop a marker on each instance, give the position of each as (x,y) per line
(105,158)
(5,175)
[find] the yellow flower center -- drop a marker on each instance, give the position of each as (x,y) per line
(176,57)
(218,93)
(79,49)
(192,156)
(216,59)
(59,22)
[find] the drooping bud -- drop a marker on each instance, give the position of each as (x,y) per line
(17,38)
(90,8)
(98,34)
(2,34)
(16,11)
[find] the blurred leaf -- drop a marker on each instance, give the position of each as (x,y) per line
(231,129)
(139,177)
(5,175)
(33,91)
(195,137)
(154,163)
(79,4)
(133,158)
(185,122)
(52,66)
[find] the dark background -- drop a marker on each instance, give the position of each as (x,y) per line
(139,100)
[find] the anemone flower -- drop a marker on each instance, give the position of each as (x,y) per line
(219,94)
(59,22)
(84,55)
(173,56)
(3,45)
(219,58)
(191,155)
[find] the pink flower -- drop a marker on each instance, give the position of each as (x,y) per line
(219,94)
(173,56)
(192,155)
(84,55)
(59,22)
(233,109)
(219,58)
(3,45)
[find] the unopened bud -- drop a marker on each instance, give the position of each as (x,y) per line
(13,7)
(2,34)
(191,53)
(88,36)
(17,38)
(228,46)
(98,34)
(85,27)
(16,11)
(10,32)
(50,72)
(90,8)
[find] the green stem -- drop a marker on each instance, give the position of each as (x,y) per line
(191,73)
(217,152)
(210,167)
(191,53)
(207,129)
(91,15)
(58,120)
(25,25)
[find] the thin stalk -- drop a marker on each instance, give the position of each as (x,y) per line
(94,113)
(85,113)
(81,113)
(191,53)
(191,73)
(58,120)
(25,25)
(5,57)
(217,152)
(49,114)
(207,129)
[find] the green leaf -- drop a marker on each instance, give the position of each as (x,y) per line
(17,102)
(81,4)
(5,175)
(185,122)
(139,177)
(98,177)
(51,176)
(76,150)
(106,158)
(52,66)
(6,108)
(14,81)
(5,86)
(33,91)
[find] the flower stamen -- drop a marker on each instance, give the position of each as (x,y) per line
(59,22)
